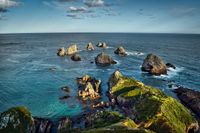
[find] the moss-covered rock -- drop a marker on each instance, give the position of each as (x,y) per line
(152,108)
(16,120)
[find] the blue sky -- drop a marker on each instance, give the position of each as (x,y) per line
(148,16)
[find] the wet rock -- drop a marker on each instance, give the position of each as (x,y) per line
(76,57)
(71,49)
(170,65)
(154,65)
(61,52)
(16,120)
(102,45)
(64,97)
(190,98)
(120,51)
(90,46)
(66,89)
(43,125)
(65,125)
(104,60)
(88,87)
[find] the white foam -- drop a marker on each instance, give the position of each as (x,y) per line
(108,47)
(13,61)
(134,53)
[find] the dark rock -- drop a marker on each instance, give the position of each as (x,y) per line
(104,60)
(65,125)
(64,97)
(66,89)
(76,57)
(102,45)
(169,65)
(43,125)
(190,98)
(154,65)
(120,51)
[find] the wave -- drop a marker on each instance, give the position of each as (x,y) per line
(134,53)
(13,61)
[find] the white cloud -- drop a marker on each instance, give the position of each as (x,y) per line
(77,9)
(94,3)
(5,4)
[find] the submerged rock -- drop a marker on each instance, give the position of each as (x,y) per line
(71,49)
(190,98)
(76,57)
(90,46)
(88,87)
(16,120)
(151,108)
(102,45)
(120,51)
(66,89)
(154,65)
(61,52)
(170,65)
(104,60)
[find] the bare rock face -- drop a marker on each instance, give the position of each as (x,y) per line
(90,46)
(61,51)
(71,49)
(154,65)
(114,78)
(104,60)
(190,98)
(76,57)
(120,51)
(102,45)
(88,87)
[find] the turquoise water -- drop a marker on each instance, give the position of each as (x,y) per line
(26,60)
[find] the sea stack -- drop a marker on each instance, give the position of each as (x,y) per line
(71,49)
(61,51)
(154,65)
(120,51)
(90,46)
(104,60)
(102,45)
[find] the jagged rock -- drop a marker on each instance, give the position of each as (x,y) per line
(104,60)
(43,125)
(190,98)
(88,87)
(90,46)
(65,125)
(170,65)
(71,49)
(120,51)
(154,65)
(61,52)
(16,120)
(114,78)
(151,108)
(102,45)
(76,57)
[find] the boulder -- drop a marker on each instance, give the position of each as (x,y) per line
(154,65)
(76,57)
(102,45)
(16,120)
(71,49)
(151,108)
(61,51)
(190,98)
(90,46)
(120,51)
(170,65)
(104,60)
(88,87)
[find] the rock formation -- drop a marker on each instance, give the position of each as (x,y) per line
(170,65)
(154,65)
(90,46)
(104,60)
(71,49)
(120,51)
(76,57)
(61,51)
(102,45)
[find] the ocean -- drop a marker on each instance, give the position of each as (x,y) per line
(27,60)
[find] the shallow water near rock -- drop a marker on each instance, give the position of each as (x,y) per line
(31,74)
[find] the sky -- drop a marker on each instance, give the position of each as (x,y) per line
(137,16)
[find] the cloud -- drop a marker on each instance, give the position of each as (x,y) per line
(67,0)
(74,16)
(182,12)
(6,4)
(77,9)
(94,3)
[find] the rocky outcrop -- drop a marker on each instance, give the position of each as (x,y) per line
(190,98)
(170,65)
(102,45)
(65,125)
(61,51)
(104,60)
(43,125)
(90,46)
(76,57)
(88,87)
(72,49)
(16,120)
(150,108)
(120,51)
(154,65)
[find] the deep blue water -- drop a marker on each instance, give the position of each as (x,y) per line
(25,60)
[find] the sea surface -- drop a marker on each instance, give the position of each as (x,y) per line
(31,74)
